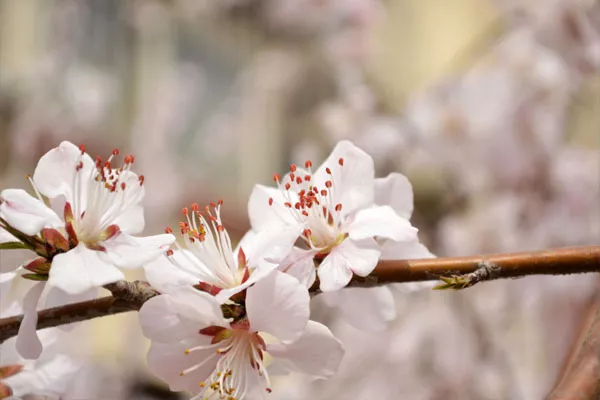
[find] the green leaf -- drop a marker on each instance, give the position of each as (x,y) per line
(454,282)
(35,277)
(12,246)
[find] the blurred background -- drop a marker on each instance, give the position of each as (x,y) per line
(491,108)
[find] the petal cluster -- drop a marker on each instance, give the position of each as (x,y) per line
(199,345)
(226,316)
(80,225)
(349,221)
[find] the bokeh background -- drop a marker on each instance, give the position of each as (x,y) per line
(491,108)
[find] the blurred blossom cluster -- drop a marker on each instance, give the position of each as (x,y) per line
(215,96)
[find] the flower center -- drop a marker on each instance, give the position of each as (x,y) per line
(210,247)
(236,349)
(314,206)
(102,194)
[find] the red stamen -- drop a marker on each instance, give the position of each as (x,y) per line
(308,164)
(287,186)
(298,180)
(220,202)
(123,185)
(328,170)
(141,179)
(213,205)
(306,178)
(276,177)
(328,184)
(169,252)
(292,177)
(338,207)
(168,229)
(288,204)
(185,211)
(323,192)
(82,148)
(293,167)
(341,161)
(115,152)
(270,201)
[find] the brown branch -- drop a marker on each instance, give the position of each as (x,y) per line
(562,261)
(588,316)
(581,381)
(126,296)
(129,296)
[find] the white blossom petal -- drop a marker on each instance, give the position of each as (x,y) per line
(396,191)
(167,360)
(410,250)
(262,215)
(126,251)
(161,322)
(256,275)
(166,277)
(26,213)
(55,173)
(197,306)
(382,222)
(52,377)
(278,305)
(131,219)
(28,343)
(300,264)
(369,309)
(350,256)
(82,269)
(316,353)
(269,245)
(354,182)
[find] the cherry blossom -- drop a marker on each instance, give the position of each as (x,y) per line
(102,210)
(218,351)
(83,250)
(373,308)
(208,260)
(336,209)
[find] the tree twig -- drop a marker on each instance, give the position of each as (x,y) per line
(129,296)
(126,296)
(562,261)
(581,380)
